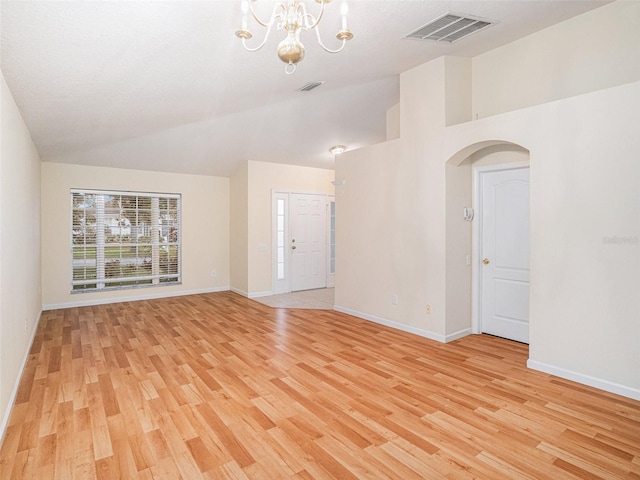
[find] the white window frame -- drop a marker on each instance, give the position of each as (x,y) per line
(125,247)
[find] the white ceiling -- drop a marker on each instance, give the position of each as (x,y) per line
(166,86)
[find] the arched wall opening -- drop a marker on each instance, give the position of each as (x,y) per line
(461,243)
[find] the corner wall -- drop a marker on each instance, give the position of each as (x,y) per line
(263,178)
(239,230)
(205,230)
(585,253)
(251,235)
(20,299)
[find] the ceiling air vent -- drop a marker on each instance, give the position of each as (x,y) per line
(310,86)
(449,28)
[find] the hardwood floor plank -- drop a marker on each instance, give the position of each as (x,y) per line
(389,466)
(9,449)
(230,442)
(203,457)
(216,386)
(141,451)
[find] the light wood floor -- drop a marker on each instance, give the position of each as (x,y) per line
(219,386)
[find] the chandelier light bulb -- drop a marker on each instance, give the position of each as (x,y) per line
(344,11)
(244,7)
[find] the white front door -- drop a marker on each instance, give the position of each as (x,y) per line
(308,241)
(505,254)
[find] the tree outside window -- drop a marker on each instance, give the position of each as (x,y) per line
(124,239)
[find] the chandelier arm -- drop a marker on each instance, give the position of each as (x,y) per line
(255,17)
(314,21)
(266,36)
(325,48)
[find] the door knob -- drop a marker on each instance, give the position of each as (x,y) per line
(485,261)
(293,247)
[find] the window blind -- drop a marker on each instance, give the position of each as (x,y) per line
(124,239)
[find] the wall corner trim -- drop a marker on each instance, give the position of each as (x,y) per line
(405,328)
(260,294)
(456,335)
(239,292)
(588,380)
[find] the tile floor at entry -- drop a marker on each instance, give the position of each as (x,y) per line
(319,299)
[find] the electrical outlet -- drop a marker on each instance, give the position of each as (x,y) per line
(428,309)
(394,299)
(26,324)
(213,274)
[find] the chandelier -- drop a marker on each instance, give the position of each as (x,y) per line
(292,16)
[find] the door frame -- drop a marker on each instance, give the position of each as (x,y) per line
(476,238)
(284,286)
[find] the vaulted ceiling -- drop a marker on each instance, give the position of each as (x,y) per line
(167,86)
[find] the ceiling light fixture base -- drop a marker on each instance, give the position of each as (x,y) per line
(337,150)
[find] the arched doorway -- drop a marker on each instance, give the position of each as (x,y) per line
(492,296)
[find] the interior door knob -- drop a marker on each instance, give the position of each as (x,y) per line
(485,261)
(293,247)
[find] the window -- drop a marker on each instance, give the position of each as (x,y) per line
(332,238)
(280,234)
(124,239)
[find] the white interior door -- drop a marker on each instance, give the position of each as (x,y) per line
(505,254)
(308,241)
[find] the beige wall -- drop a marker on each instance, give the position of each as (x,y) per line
(239,230)
(263,178)
(20,300)
(458,246)
(584,306)
(205,230)
(583,312)
(370,262)
(596,50)
(457,90)
(393,122)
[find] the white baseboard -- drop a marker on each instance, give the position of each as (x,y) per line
(239,292)
(260,294)
(251,295)
(151,296)
(601,384)
(405,328)
(456,335)
(14,391)
(605,385)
